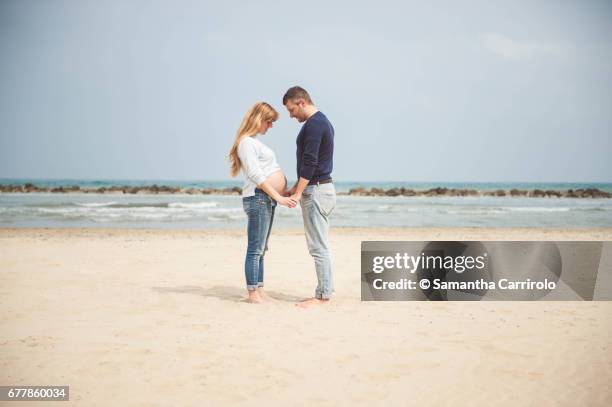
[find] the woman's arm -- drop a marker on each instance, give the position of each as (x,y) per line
(272,193)
(248,158)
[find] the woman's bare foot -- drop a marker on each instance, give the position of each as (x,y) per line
(254,297)
(312,302)
(264,295)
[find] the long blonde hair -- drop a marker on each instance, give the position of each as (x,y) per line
(251,123)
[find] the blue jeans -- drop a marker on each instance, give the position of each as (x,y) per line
(260,212)
(318,202)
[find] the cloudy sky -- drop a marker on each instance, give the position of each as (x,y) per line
(417,91)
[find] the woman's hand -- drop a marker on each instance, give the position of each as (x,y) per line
(286,201)
(283,200)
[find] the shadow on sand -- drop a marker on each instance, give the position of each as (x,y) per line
(224,293)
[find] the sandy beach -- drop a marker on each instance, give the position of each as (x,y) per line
(158,318)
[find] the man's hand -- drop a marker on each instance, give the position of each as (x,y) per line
(292,190)
(298,189)
(288,202)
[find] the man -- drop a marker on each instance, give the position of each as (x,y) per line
(314,189)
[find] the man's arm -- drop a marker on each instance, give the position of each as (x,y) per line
(310,160)
(298,189)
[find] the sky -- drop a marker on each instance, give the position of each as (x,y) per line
(470,91)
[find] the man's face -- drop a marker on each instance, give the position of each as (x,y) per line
(296,110)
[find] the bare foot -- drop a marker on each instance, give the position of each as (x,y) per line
(311,302)
(264,296)
(254,298)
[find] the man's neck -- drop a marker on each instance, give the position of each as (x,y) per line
(310,110)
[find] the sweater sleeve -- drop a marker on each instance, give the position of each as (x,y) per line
(310,158)
(247,152)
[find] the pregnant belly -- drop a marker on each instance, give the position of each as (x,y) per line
(277,181)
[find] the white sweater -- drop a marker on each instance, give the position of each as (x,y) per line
(258,162)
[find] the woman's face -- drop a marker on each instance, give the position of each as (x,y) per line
(265,125)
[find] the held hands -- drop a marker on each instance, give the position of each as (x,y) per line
(282,199)
(289,198)
(291,194)
(287,201)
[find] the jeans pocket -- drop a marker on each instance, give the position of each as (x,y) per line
(326,202)
(262,200)
(246,204)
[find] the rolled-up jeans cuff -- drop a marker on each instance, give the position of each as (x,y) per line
(252,287)
(259,285)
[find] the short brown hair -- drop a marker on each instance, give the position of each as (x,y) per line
(296,92)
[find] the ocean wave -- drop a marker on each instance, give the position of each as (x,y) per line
(350,211)
(134,213)
(138,205)
(192,205)
(504,210)
(383,208)
(133,208)
(182,205)
(470,211)
(97,204)
(538,209)
(226,217)
(598,209)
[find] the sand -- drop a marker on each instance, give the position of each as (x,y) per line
(157,318)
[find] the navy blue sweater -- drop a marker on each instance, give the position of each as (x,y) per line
(315,149)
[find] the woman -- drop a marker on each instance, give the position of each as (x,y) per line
(264,187)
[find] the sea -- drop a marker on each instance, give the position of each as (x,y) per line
(183,211)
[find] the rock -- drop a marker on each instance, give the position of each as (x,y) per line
(570,194)
(435,191)
(357,191)
(517,192)
(393,192)
(550,192)
(536,193)
(592,193)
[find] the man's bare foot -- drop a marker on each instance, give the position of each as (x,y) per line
(264,296)
(311,302)
(254,297)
